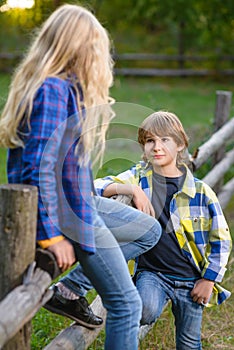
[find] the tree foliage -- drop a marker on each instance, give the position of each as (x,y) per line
(17,24)
(179,26)
(200,24)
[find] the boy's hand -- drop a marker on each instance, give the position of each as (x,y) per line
(202,291)
(64,254)
(139,197)
(141,201)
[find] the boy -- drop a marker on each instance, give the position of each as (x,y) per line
(191,255)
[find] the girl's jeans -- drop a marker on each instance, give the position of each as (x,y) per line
(156,290)
(107,270)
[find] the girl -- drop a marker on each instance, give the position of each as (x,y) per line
(57,110)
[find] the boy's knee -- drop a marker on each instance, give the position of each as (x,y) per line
(148,315)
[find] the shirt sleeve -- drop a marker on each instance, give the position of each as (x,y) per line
(47,122)
(127,177)
(219,244)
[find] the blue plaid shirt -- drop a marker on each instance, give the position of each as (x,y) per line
(198,222)
(48,161)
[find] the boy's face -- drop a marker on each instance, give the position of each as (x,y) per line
(162,152)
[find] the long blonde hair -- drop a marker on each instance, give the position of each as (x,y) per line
(70,43)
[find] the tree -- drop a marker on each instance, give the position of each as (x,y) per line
(198,23)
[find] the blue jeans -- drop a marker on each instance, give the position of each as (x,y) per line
(156,290)
(116,225)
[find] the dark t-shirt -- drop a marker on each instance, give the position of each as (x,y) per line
(166,256)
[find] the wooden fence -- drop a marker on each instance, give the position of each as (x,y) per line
(24,288)
(150,64)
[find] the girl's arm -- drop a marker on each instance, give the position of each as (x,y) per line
(49,112)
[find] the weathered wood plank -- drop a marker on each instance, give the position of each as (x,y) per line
(134,56)
(226,193)
(216,141)
(18,211)
(222,111)
(219,170)
(161,72)
(21,304)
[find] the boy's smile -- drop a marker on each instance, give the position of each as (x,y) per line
(162,152)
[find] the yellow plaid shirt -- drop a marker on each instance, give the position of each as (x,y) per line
(198,222)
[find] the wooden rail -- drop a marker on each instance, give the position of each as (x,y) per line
(24,288)
(217,140)
(153,59)
(176,58)
(184,65)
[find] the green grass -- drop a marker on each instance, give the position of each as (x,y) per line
(193,100)
(4,85)
(2,166)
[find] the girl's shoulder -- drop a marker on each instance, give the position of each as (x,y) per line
(56,82)
(59,88)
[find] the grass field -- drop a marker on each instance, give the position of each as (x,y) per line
(193,100)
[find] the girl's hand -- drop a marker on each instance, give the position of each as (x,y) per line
(64,254)
(141,201)
(202,291)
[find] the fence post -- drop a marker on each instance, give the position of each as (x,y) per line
(222,111)
(18,217)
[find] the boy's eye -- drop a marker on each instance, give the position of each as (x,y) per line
(164,139)
(149,140)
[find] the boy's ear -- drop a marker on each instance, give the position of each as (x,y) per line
(181,148)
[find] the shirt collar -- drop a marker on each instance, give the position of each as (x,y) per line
(188,187)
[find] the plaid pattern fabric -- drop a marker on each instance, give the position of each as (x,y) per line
(198,222)
(48,161)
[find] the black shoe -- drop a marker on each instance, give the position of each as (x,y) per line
(78,310)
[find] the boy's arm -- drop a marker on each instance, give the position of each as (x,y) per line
(219,244)
(139,197)
(217,250)
(126,183)
(127,177)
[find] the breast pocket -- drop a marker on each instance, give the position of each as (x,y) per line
(196,228)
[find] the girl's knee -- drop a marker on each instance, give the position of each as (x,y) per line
(136,303)
(128,305)
(154,233)
(157,229)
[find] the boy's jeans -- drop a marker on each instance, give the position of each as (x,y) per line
(156,290)
(107,270)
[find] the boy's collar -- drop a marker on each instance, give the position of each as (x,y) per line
(188,187)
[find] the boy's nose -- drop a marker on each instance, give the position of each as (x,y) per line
(157,144)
